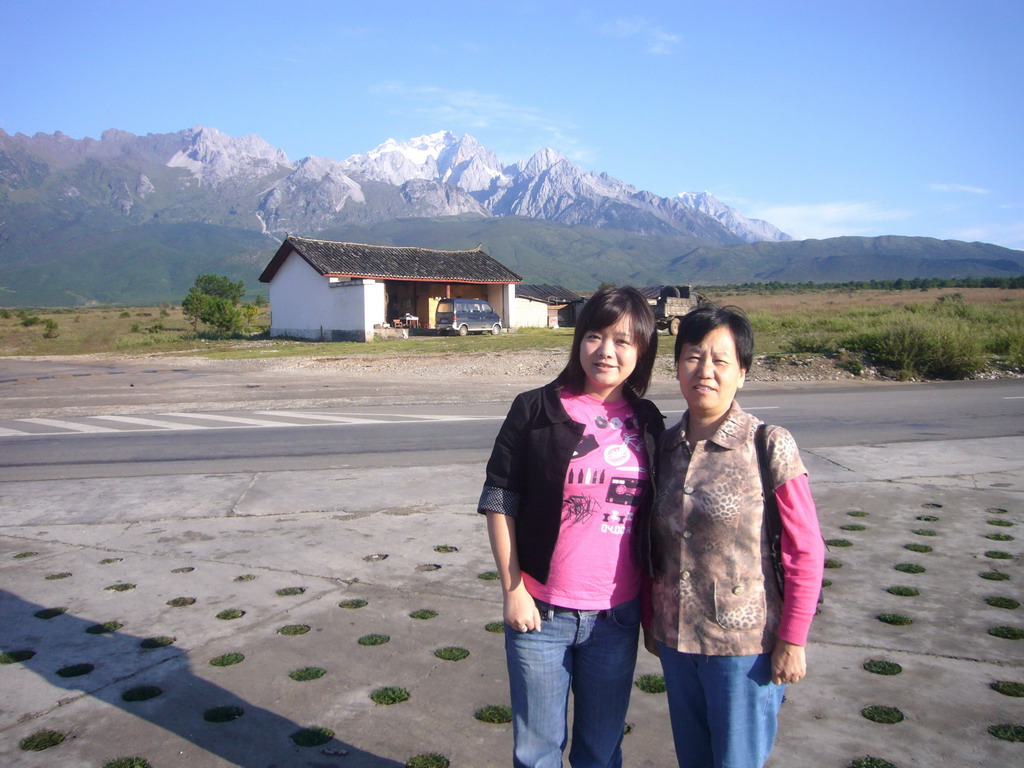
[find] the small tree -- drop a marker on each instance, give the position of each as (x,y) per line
(213,299)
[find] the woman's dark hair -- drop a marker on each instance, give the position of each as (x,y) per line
(603,310)
(707,317)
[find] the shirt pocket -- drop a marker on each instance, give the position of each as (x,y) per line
(740,606)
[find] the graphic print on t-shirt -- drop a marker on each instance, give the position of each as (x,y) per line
(605,477)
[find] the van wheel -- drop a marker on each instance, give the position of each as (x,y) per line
(495,329)
(673,326)
(463,330)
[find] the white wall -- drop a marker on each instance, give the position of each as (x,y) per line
(531,314)
(502,299)
(306,305)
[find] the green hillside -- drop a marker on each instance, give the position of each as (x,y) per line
(83,256)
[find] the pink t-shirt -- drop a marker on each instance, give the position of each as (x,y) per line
(593,567)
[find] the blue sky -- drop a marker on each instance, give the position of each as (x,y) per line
(865,118)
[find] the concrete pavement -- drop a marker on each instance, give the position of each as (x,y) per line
(409,539)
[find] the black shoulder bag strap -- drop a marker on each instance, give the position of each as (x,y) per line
(772,518)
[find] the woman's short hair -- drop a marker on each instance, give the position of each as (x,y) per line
(698,323)
(603,310)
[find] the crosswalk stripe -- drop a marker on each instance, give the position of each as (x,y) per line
(332,418)
(70,425)
(229,419)
(146,422)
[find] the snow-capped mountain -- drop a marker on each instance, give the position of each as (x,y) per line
(752,230)
(549,186)
(203,174)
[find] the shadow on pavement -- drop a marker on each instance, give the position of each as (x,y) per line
(61,646)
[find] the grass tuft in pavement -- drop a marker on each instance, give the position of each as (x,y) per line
(128,762)
(313,736)
(141,693)
(389,695)
(1007,732)
(423,614)
(374,639)
(882,714)
(428,760)
(496,714)
(227,659)
(650,683)
(451,653)
(307,673)
(41,740)
(880,667)
(1003,602)
(1008,688)
(1007,633)
(224,714)
(293,629)
(353,604)
(231,613)
(896,619)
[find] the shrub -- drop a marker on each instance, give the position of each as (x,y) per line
(930,347)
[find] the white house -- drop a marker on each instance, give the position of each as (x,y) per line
(546,306)
(334,291)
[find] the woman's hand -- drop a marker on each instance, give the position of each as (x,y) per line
(520,611)
(789,663)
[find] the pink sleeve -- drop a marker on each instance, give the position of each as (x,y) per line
(803,556)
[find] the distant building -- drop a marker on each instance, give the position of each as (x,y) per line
(546,306)
(334,291)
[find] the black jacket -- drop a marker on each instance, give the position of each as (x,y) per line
(529,462)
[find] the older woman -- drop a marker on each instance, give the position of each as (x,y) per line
(727,639)
(566,483)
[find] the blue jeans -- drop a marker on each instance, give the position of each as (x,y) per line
(592,653)
(724,709)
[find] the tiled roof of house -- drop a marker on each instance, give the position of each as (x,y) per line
(552,294)
(391,262)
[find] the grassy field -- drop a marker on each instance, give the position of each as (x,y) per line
(940,333)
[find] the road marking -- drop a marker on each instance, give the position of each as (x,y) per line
(145,422)
(229,419)
(168,422)
(332,418)
(69,425)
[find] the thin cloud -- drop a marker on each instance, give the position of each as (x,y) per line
(467,110)
(959,188)
(657,41)
(823,220)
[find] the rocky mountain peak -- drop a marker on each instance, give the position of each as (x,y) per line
(214,157)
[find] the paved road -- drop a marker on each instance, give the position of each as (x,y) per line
(119,444)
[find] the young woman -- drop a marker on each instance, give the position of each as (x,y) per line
(566,482)
(728,640)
